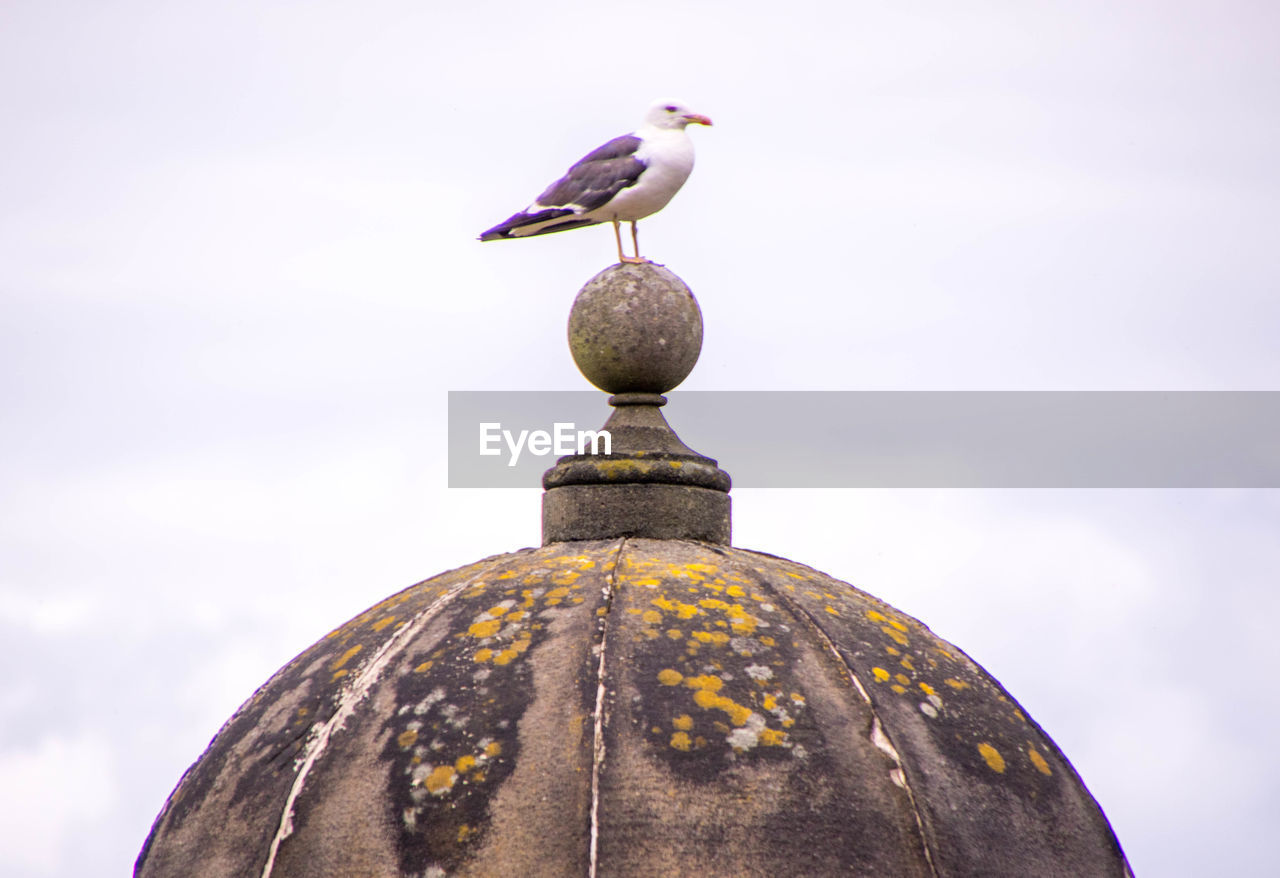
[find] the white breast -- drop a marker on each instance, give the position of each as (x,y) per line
(669,156)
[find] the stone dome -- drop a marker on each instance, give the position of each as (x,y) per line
(633,698)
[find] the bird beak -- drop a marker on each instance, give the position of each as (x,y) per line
(699,119)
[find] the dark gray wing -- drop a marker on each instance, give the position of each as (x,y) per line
(598,176)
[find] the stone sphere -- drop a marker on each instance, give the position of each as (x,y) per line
(635,328)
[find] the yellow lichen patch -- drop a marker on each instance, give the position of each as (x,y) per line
(907,663)
(735,591)
(464,764)
(832,610)
(498,610)
(769,701)
(903,679)
(880,674)
(992,756)
(670,677)
(648,581)
(407,738)
(702,568)
(896,624)
(772,737)
(483,655)
(345,657)
(797,698)
(681,741)
(718,637)
(487,628)
(708,699)
(926,689)
(683,722)
(897,636)
(465,832)
(768,641)
(440,780)
(505,657)
(956,684)
(1039,762)
(652,617)
(901,690)
(675,633)
(876,616)
(566,577)
(706,682)
(493,749)
(424,667)
(556,595)
(893,650)
(713,604)
(382,623)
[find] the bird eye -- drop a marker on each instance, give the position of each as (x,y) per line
(670,108)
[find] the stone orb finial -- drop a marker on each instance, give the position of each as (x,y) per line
(635,328)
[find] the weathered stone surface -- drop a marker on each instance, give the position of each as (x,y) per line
(635,328)
(631,707)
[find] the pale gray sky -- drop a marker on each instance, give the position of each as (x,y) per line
(239,275)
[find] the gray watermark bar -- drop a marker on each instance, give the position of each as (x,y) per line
(898,439)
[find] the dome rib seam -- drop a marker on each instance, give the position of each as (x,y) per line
(364,680)
(878,731)
(597,744)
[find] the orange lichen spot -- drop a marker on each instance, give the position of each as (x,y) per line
(670,677)
(498,610)
(877,616)
(681,741)
(602,611)
(706,683)
(897,636)
(811,594)
(893,650)
(832,610)
(926,689)
(440,780)
(424,667)
(464,764)
(898,688)
(880,674)
(956,684)
(903,679)
(506,657)
(994,760)
(1039,762)
(465,832)
(896,624)
(565,577)
(483,655)
(769,702)
(487,628)
(718,637)
(345,657)
(686,611)
(382,623)
(772,737)
(557,594)
(507,574)
(701,568)
(713,604)
(906,663)
(407,738)
(514,616)
(683,722)
(652,617)
(797,698)
(735,591)
(675,633)
(648,581)
(493,749)
(768,641)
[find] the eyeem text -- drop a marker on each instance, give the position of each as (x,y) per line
(563,439)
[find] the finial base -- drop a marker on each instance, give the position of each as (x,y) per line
(653,511)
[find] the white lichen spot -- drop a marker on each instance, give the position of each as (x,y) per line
(936,701)
(436,696)
(928,709)
(747,735)
(898,778)
(759,673)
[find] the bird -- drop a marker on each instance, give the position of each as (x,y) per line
(625,180)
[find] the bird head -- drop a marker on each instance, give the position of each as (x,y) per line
(673,114)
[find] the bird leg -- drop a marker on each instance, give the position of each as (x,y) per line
(635,242)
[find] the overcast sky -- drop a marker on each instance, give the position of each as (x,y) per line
(239,275)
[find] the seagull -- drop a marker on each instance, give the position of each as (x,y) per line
(627,179)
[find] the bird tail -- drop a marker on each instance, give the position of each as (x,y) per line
(542,222)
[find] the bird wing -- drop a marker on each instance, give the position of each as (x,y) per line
(590,184)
